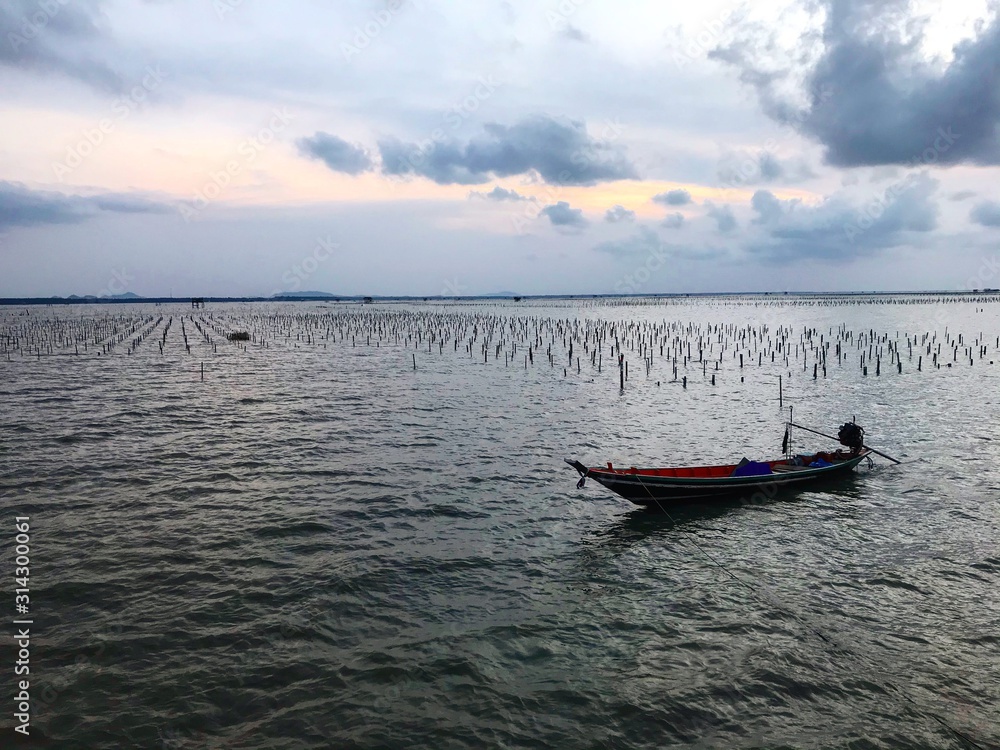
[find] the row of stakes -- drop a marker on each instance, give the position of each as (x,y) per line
(682,344)
(775,300)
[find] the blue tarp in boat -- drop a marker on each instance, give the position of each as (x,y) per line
(751,469)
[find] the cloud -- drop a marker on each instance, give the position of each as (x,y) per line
(768,208)
(574,34)
(963,195)
(499,194)
(987,214)
(678,197)
(21,206)
(561,215)
(871,101)
(616,214)
(561,151)
(744,168)
(336,153)
(723,215)
(868,99)
(645,242)
(770,167)
(125,204)
(840,228)
(673,221)
(57,37)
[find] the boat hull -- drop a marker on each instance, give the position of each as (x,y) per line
(648,487)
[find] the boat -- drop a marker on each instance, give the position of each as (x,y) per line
(657,487)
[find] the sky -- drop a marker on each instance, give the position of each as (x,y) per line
(424,147)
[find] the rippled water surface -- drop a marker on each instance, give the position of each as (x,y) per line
(319,545)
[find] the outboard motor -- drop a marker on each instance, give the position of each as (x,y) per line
(853,436)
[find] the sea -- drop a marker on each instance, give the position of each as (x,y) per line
(356,528)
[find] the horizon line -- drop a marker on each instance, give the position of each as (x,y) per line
(131,298)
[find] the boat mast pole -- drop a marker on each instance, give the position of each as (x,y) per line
(789,428)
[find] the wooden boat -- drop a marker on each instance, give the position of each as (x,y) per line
(748,479)
(657,487)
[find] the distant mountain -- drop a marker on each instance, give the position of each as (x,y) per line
(502,294)
(286,295)
(127,295)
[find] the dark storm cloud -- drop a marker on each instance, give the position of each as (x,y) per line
(336,153)
(561,151)
(57,37)
(723,216)
(562,215)
(22,207)
(500,194)
(616,214)
(673,198)
(838,229)
(986,213)
(871,102)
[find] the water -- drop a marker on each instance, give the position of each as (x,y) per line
(319,546)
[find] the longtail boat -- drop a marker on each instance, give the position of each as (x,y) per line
(655,487)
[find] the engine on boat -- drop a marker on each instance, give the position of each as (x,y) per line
(852,435)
